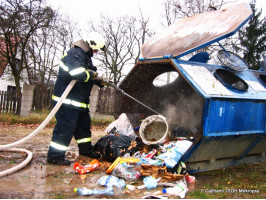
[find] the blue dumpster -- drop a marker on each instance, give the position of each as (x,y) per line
(221,110)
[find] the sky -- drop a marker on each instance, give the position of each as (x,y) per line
(84,10)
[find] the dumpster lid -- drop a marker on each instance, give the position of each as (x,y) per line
(232,61)
(192,33)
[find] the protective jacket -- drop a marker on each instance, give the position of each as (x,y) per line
(73,117)
(75,66)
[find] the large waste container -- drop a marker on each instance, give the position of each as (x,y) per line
(222,111)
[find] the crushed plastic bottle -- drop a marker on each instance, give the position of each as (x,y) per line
(179,190)
(150,182)
(126,171)
(151,154)
(130,187)
(87,168)
(109,180)
(85,191)
(150,161)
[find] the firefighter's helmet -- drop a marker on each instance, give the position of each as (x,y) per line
(95,40)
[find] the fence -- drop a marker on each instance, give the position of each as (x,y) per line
(106,100)
(42,98)
(10,102)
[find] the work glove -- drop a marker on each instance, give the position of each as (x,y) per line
(103,81)
(93,74)
(103,84)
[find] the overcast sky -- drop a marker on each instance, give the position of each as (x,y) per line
(84,10)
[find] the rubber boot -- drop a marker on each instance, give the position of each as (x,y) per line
(86,149)
(58,161)
(57,157)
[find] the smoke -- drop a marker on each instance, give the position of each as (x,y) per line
(171,114)
(186,111)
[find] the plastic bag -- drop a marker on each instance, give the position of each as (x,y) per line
(150,182)
(122,126)
(126,171)
(109,181)
(113,146)
(179,190)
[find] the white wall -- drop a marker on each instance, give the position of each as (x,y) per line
(7,79)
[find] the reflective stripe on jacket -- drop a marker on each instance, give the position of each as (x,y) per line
(71,102)
(74,66)
(75,72)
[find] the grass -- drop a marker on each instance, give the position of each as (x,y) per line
(38,118)
(199,195)
(227,183)
(34,118)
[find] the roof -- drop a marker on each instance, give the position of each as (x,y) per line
(3,60)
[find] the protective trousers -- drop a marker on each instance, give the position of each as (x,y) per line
(70,122)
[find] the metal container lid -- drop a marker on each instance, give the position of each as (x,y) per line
(192,33)
(232,61)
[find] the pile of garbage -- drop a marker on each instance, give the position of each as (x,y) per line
(132,160)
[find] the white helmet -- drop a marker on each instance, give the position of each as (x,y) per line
(95,40)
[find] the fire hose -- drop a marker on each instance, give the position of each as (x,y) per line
(7,147)
(124,93)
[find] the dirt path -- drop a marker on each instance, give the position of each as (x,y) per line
(40,180)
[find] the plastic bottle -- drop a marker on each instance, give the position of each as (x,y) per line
(126,165)
(179,190)
(126,171)
(87,168)
(130,187)
(151,154)
(110,180)
(150,182)
(85,191)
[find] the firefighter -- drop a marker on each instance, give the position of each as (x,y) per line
(73,117)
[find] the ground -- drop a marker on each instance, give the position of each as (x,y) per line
(40,180)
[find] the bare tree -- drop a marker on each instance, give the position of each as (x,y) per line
(170,13)
(19,21)
(45,49)
(124,36)
(175,9)
(143,32)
